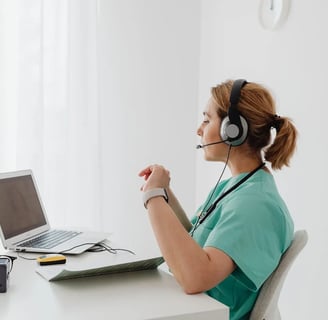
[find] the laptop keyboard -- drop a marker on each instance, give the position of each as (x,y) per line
(50,239)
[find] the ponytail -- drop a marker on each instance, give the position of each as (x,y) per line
(283,147)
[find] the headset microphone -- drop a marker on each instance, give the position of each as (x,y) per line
(200,146)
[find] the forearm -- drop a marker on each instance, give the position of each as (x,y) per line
(185,258)
(178,210)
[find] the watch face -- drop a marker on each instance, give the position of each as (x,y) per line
(272,13)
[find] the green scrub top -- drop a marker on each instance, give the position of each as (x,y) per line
(253,226)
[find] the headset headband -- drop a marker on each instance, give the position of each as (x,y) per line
(233,113)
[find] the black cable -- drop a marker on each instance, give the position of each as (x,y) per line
(10,259)
(203,215)
(25,258)
(113,250)
(77,246)
(212,193)
(97,247)
(235,186)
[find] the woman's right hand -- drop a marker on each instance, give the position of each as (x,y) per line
(155,176)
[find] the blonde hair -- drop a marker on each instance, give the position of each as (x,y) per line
(257,106)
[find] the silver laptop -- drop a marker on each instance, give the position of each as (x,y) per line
(24,225)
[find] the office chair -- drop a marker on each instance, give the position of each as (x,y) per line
(266,305)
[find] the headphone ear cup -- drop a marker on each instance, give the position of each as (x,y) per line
(231,133)
(223,129)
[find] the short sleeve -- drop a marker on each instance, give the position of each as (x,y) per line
(251,232)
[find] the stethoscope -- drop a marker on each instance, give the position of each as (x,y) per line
(204,215)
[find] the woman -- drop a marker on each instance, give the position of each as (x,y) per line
(236,239)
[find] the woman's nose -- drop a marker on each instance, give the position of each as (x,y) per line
(199,131)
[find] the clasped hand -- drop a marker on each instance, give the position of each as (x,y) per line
(156,176)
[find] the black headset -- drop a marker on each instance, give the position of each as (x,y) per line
(234,127)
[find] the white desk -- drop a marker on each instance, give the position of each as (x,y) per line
(135,295)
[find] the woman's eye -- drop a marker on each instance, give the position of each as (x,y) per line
(206,121)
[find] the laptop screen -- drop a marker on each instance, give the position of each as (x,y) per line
(20,208)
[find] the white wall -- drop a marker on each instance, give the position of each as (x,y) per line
(149,61)
(292,62)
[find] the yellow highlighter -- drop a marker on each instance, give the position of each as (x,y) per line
(51,259)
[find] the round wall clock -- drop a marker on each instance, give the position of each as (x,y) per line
(273,13)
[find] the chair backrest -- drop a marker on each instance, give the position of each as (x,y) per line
(266,305)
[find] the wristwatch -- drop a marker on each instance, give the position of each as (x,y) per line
(156,192)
